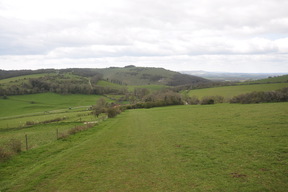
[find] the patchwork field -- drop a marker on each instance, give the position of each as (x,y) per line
(223,147)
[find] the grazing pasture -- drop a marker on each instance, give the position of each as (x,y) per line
(35,103)
(230,91)
(223,147)
(40,116)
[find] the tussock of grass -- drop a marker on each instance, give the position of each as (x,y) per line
(75,130)
(10,149)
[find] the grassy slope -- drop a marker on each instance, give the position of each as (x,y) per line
(230,91)
(17,110)
(134,75)
(151,87)
(185,148)
(17,105)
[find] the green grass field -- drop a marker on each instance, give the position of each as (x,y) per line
(16,111)
(223,147)
(18,105)
(230,91)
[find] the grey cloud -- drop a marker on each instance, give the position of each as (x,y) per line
(141,29)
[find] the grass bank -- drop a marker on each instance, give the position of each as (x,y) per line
(225,147)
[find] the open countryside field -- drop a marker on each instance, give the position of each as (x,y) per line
(23,104)
(223,147)
(230,91)
(27,114)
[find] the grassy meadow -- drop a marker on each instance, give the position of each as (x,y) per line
(19,105)
(230,91)
(30,115)
(223,147)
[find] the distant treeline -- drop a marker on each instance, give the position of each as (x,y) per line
(14,73)
(84,72)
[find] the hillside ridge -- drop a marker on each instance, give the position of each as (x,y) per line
(90,80)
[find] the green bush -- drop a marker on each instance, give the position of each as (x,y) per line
(15,145)
(4,97)
(4,154)
(9,149)
(212,100)
(113,112)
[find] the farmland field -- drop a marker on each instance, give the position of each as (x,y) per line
(223,147)
(27,114)
(230,91)
(19,105)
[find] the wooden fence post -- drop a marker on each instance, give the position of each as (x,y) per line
(26,138)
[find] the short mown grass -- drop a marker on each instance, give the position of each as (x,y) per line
(223,147)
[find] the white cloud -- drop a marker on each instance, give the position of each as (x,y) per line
(212,35)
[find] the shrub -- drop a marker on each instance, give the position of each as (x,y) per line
(4,97)
(15,145)
(193,100)
(207,101)
(62,135)
(4,154)
(76,129)
(28,123)
(212,99)
(113,112)
(9,149)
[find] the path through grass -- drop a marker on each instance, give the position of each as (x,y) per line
(223,147)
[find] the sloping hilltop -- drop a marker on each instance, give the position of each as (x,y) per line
(131,75)
(89,81)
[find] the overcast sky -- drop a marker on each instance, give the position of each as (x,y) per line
(210,35)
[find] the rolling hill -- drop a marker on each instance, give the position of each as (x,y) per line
(89,81)
(129,75)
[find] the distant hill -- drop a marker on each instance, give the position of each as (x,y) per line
(225,76)
(15,73)
(275,79)
(85,80)
(129,75)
